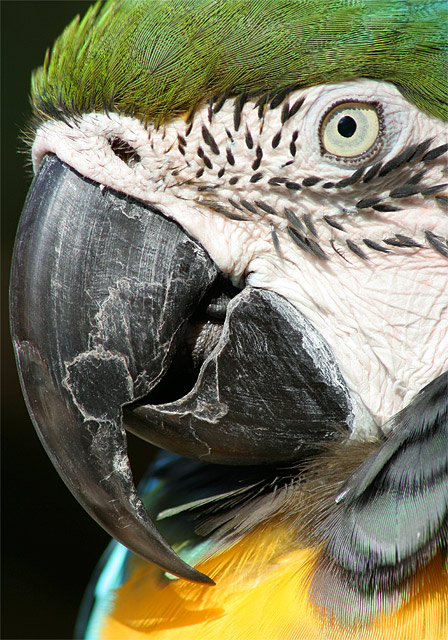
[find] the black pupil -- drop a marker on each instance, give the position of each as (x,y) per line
(346,126)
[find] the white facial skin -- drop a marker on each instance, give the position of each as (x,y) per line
(384,315)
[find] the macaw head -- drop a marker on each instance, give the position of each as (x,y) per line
(235,242)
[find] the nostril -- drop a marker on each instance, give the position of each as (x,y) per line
(125,152)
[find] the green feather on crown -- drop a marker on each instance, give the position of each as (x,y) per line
(155,59)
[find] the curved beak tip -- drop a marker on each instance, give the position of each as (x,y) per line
(97,319)
(76,372)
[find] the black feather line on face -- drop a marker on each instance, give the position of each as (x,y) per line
(402,241)
(276,139)
(351,180)
(230,157)
(279,98)
(229,135)
(261,105)
(275,240)
(285,113)
(356,250)
(235,204)
(259,155)
(276,181)
(207,161)
(292,186)
(294,220)
(307,244)
(384,207)
(249,206)
(295,107)
(208,187)
(311,181)
(438,243)
(404,191)
(209,140)
(417,177)
(430,191)
(239,104)
(299,239)
(372,172)
(210,110)
(398,161)
(309,224)
(316,249)
(332,223)
(233,216)
(435,153)
(219,101)
(266,207)
(374,245)
(248,139)
(420,149)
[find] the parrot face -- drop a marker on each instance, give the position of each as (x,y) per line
(246,277)
(303,210)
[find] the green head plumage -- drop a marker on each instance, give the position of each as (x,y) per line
(155,59)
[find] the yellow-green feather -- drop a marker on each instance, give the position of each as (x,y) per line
(158,58)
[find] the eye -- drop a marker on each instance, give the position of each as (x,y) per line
(351,130)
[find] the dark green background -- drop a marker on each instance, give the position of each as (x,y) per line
(49,545)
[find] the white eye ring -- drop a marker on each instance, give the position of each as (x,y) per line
(351,130)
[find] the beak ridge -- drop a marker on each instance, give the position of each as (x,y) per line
(79,279)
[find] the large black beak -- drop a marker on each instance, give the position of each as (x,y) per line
(104,293)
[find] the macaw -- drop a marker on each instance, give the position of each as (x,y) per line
(235,247)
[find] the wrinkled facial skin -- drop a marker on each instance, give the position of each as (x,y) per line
(358,244)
